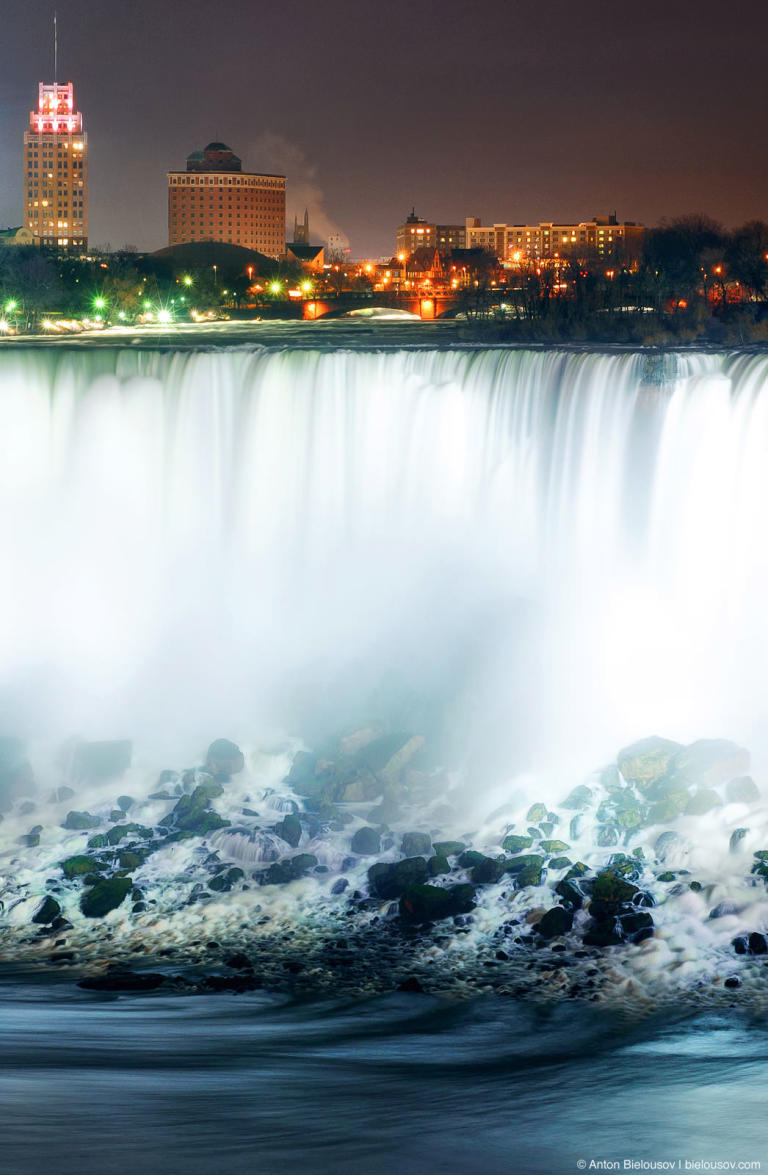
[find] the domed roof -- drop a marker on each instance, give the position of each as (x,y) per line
(218,147)
(196,155)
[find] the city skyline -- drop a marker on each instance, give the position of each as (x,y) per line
(520,117)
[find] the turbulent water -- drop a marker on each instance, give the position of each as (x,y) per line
(405,1083)
(540,553)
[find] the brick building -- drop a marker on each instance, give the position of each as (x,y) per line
(56,170)
(215,200)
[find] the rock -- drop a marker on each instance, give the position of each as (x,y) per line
(120,831)
(391,880)
(131,860)
(81,821)
(632,923)
(560,863)
(603,933)
(94,762)
(710,761)
(192,816)
(47,912)
(410,984)
(469,858)
(668,809)
(517,865)
(430,903)
(339,886)
(105,896)
(448,848)
(733,981)
(555,922)
(117,814)
(224,758)
(78,866)
(289,830)
(554,846)
(742,790)
(61,794)
(570,891)
(611,888)
(387,756)
(438,865)
(416,844)
(351,744)
(516,844)
(488,871)
(287,870)
(666,844)
(536,813)
(723,910)
(366,842)
(701,802)
(125,803)
(757,944)
(643,762)
(579,798)
(607,836)
(223,882)
(30,840)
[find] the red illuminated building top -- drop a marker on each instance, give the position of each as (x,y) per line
(56,112)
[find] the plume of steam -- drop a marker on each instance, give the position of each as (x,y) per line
(273,153)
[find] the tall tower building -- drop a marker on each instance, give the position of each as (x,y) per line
(56,170)
(215,200)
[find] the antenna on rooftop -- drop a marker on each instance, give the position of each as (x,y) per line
(55,48)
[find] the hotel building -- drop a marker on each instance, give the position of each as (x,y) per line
(215,200)
(56,170)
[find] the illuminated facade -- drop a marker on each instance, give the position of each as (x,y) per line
(602,237)
(417,233)
(56,170)
(215,200)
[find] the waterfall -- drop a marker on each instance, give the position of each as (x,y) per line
(545,553)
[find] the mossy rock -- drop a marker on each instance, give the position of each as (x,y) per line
(30,840)
(569,890)
(120,831)
(131,860)
(191,815)
(516,844)
(78,866)
(577,870)
(516,865)
(223,882)
(643,762)
(702,802)
(470,858)
(711,761)
(98,842)
(438,865)
(610,887)
(554,846)
(669,809)
(578,799)
(105,896)
(531,875)
(448,848)
(430,903)
(737,836)
(392,879)
(555,922)
(761,854)
(488,871)
(416,844)
(607,836)
(366,842)
(81,821)
(668,875)
(536,813)
(125,803)
(560,863)
(47,912)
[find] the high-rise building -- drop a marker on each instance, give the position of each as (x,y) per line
(56,170)
(418,233)
(215,200)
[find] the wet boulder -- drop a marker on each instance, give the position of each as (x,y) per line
(223,882)
(555,922)
(287,870)
(430,903)
(644,762)
(578,799)
(48,911)
(487,871)
(289,830)
(710,762)
(416,844)
(224,759)
(516,844)
(192,815)
(120,831)
(438,865)
(80,821)
(366,842)
(702,801)
(392,879)
(448,848)
(78,866)
(105,896)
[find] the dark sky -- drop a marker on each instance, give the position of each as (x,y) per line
(511,110)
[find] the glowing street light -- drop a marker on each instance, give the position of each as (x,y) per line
(306,287)
(275,287)
(188,281)
(99,303)
(10,306)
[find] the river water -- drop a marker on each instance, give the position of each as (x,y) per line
(195,1086)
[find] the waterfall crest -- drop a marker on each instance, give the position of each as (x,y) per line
(553,551)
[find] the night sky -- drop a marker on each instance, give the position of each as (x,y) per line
(511,110)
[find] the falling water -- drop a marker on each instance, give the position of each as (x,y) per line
(546,554)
